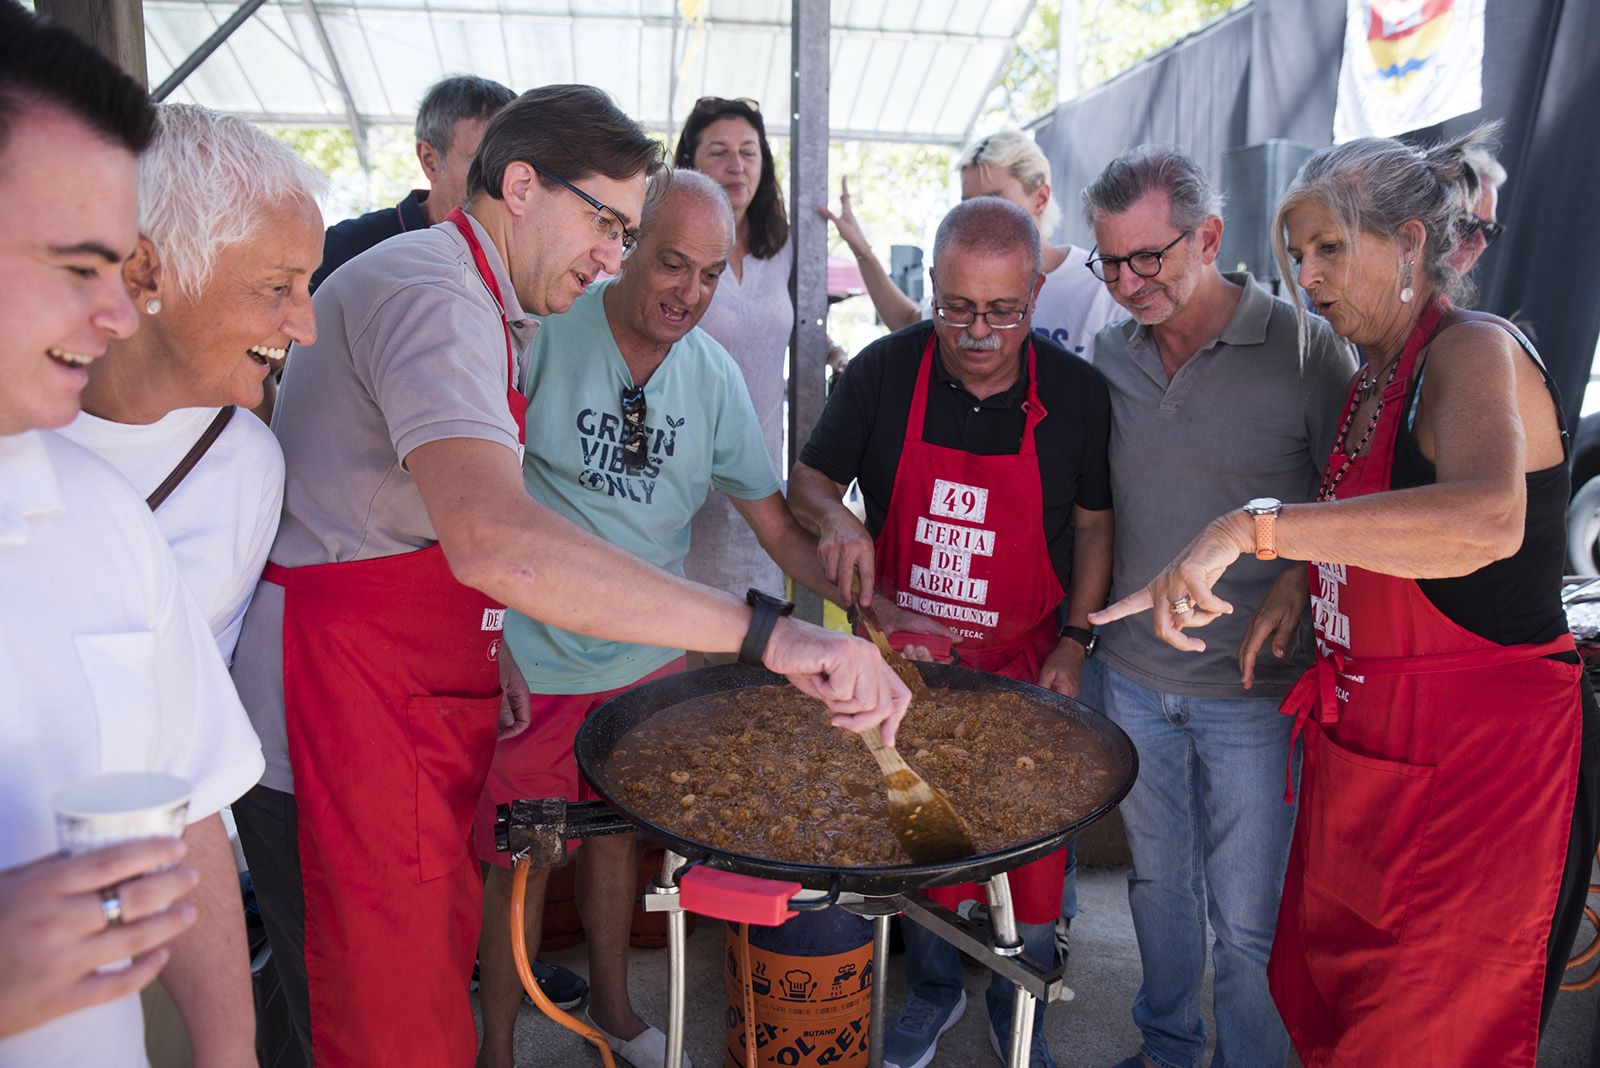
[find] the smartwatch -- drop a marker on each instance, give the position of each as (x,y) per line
(765,610)
(1264,510)
(1083,636)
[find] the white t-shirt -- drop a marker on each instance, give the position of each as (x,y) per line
(105,665)
(221,519)
(1073,305)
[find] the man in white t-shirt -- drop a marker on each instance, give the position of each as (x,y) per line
(105,663)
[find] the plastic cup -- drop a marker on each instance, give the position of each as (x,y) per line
(123,806)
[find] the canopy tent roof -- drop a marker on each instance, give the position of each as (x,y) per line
(901,70)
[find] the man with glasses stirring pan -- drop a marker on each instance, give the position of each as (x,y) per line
(980,449)
(1211,406)
(371,658)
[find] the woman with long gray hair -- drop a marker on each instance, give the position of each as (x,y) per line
(1447,802)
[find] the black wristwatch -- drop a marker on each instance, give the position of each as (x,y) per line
(1084,637)
(766,610)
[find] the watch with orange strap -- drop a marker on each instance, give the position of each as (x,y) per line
(1264,510)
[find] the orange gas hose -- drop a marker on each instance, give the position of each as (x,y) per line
(519,952)
(749,997)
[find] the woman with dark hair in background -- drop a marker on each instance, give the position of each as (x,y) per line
(751,316)
(1447,799)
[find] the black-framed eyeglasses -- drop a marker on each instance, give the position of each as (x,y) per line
(1146,263)
(1467,225)
(996,318)
(635,438)
(607,221)
(714,103)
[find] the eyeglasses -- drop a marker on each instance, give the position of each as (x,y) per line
(607,222)
(714,103)
(634,435)
(997,319)
(1145,263)
(1467,225)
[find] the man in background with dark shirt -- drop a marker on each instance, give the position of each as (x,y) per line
(450,124)
(980,449)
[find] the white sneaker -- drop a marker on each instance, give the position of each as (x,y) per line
(647,1049)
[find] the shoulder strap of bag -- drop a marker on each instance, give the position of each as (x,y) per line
(192,457)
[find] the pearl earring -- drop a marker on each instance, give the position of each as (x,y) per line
(1406,292)
(153,306)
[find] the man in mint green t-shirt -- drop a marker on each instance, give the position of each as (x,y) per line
(633,415)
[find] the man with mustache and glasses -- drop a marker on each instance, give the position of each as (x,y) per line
(980,450)
(634,414)
(1211,407)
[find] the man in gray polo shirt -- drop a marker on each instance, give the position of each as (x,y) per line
(371,660)
(1211,406)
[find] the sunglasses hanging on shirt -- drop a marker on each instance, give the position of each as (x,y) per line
(634,435)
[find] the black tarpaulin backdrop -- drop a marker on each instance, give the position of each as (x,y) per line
(1271,70)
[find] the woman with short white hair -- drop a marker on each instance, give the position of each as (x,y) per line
(1072,306)
(229,233)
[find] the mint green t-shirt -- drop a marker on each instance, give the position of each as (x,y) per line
(703,433)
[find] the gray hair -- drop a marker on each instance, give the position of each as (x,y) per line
(685,181)
(204,183)
(1151,169)
(1376,185)
(989,225)
(1017,155)
(447,102)
(1488,169)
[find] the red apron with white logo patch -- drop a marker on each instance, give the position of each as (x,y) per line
(1435,804)
(392,698)
(963,543)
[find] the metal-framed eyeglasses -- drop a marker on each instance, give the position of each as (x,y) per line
(996,318)
(607,222)
(716,103)
(1468,224)
(1146,263)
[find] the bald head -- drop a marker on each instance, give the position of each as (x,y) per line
(667,284)
(991,227)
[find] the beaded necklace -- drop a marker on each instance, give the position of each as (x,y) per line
(1331,477)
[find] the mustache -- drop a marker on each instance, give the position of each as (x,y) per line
(988,343)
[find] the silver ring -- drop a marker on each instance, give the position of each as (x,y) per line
(111,906)
(1182,606)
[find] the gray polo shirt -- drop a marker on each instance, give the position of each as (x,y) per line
(409,350)
(1245,417)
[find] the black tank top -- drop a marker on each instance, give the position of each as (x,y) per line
(1515,601)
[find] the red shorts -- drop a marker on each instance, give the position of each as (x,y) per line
(539,762)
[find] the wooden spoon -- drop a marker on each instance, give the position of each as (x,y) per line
(929,828)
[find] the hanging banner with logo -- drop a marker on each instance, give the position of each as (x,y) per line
(1408,64)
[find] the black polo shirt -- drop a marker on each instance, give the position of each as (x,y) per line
(863,428)
(346,240)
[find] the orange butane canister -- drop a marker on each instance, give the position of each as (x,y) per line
(811,989)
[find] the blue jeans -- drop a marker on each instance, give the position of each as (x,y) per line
(933,970)
(1210,832)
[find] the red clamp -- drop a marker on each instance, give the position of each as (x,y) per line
(724,895)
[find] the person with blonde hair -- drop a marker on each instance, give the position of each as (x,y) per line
(1072,306)
(1447,801)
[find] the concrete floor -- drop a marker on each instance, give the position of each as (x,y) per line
(1093,1031)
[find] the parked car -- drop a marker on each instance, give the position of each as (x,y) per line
(1583,512)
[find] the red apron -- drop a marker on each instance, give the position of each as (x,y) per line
(963,542)
(1435,802)
(392,697)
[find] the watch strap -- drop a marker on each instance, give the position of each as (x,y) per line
(1082,635)
(765,611)
(1266,535)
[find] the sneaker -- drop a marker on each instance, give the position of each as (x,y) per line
(913,1037)
(1038,1053)
(564,987)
